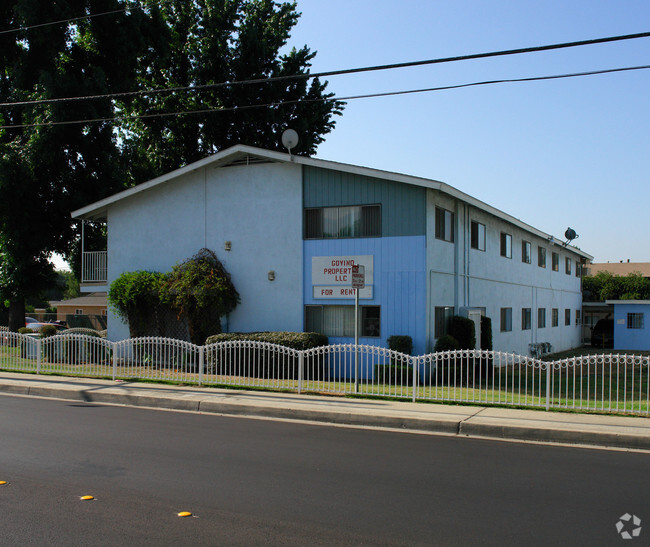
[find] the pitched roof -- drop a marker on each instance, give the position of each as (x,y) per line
(619,268)
(92,299)
(243,155)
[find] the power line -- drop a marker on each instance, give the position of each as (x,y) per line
(81,17)
(339,72)
(348,98)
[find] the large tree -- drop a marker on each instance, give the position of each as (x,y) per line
(209,46)
(46,171)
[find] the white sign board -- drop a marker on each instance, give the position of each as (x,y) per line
(358,276)
(338,291)
(331,276)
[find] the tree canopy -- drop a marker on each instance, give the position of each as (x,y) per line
(606,286)
(58,156)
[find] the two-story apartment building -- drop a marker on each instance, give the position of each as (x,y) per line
(289,229)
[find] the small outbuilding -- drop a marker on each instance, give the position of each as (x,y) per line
(631,330)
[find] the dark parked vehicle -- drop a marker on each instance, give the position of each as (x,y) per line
(603,334)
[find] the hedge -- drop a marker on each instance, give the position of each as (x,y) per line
(266,363)
(293,340)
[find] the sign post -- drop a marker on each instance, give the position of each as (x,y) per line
(358,282)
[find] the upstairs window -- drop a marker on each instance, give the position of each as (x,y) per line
(506,245)
(555,262)
(541,257)
(525,252)
(567,265)
(343,222)
(444,225)
(478,236)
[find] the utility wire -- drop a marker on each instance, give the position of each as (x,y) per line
(348,98)
(81,17)
(338,72)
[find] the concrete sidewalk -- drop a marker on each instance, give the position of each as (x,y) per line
(468,421)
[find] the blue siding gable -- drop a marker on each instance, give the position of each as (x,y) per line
(403,206)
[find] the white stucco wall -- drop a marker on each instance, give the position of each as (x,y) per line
(255,207)
(464,277)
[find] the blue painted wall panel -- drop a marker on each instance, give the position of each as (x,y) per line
(399,283)
(631,339)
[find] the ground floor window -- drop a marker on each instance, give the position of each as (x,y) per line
(567,317)
(441,320)
(338,321)
(555,317)
(506,319)
(634,320)
(526,321)
(541,318)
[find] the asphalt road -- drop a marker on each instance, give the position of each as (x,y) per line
(252,482)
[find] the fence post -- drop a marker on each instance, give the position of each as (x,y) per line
(416,375)
(301,363)
(114,360)
(201,363)
(38,356)
(548,385)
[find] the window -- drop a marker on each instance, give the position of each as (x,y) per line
(577,317)
(555,262)
(634,320)
(525,319)
(578,269)
(444,224)
(338,321)
(541,257)
(370,321)
(555,317)
(506,319)
(79,312)
(342,222)
(478,236)
(506,245)
(441,320)
(525,252)
(567,317)
(541,318)
(567,265)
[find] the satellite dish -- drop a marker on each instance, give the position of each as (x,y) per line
(570,234)
(289,139)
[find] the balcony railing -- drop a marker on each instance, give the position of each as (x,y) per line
(93,267)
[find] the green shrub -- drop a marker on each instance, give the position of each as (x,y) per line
(401,343)
(134,297)
(446,343)
(47,330)
(462,329)
(486,333)
(25,330)
(201,291)
(294,340)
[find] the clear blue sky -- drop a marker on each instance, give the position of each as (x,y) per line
(554,154)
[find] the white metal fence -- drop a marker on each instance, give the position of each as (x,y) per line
(605,383)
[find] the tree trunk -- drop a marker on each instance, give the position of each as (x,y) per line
(16,315)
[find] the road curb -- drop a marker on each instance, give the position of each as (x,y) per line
(466,426)
(563,436)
